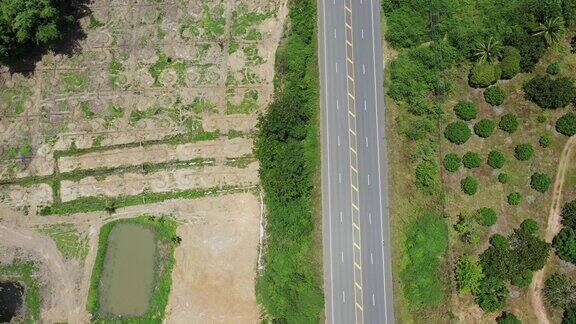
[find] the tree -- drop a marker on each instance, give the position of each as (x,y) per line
(559,291)
(508,123)
(494,95)
(523,152)
(566,124)
(25,24)
(467,228)
(488,50)
(468,274)
(514,198)
(529,226)
(523,279)
(550,93)
(540,182)
(457,132)
(499,242)
(491,294)
(565,244)
(569,315)
(569,214)
(508,318)
(466,110)
(483,75)
(452,162)
(551,30)
(496,159)
(484,128)
(469,185)
(471,160)
(486,216)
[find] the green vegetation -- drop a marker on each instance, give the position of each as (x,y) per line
(553,68)
(468,274)
(565,240)
(483,75)
(287,147)
(523,152)
(426,240)
(567,124)
(244,22)
(494,95)
(94,23)
(210,26)
(74,82)
(471,160)
(165,229)
(496,159)
(540,182)
(457,132)
(30,24)
(427,177)
(492,293)
(165,62)
(550,93)
(25,272)
(248,104)
(503,178)
(484,128)
(469,185)
(69,242)
(86,110)
(452,162)
(466,110)
(507,318)
(115,68)
(559,291)
(545,140)
(510,63)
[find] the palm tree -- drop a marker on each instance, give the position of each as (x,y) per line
(488,50)
(552,30)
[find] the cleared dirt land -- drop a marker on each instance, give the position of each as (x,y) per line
(158,104)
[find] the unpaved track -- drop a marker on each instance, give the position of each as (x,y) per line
(552,229)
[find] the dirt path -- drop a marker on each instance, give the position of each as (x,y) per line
(552,229)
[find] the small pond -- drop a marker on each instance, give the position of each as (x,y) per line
(11,295)
(128,273)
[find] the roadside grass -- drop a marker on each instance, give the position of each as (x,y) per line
(25,272)
(165,229)
(71,243)
(240,162)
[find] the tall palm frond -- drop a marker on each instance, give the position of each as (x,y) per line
(552,30)
(488,50)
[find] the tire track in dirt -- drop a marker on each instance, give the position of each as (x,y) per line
(552,229)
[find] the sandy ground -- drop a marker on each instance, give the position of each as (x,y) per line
(554,226)
(220,148)
(164,181)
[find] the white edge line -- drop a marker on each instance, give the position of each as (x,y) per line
(378,150)
(328,162)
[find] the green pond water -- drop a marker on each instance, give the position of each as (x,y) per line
(128,274)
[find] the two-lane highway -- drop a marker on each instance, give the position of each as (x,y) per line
(358,278)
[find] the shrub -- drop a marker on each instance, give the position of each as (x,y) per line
(510,63)
(457,132)
(494,95)
(523,152)
(523,279)
(569,315)
(406,28)
(466,110)
(541,119)
(427,176)
(469,185)
(508,318)
(491,294)
(483,75)
(503,178)
(567,124)
(514,198)
(484,128)
(496,159)
(550,93)
(418,127)
(545,140)
(471,160)
(559,291)
(468,274)
(486,216)
(553,68)
(508,123)
(452,162)
(540,182)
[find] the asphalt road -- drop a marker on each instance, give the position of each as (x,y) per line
(357,264)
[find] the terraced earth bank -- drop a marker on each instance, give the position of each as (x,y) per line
(153,114)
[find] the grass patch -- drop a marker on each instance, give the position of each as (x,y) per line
(244,23)
(210,26)
(165,230)
(69,242)
(86,110)
(240,162)
(248,104)
(14,99)
(74,82)
(166,62)
(25,272)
